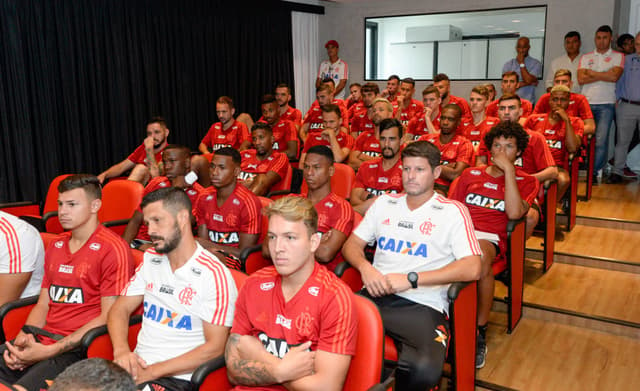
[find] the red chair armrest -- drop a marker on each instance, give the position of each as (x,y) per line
(212,375)
(13,315)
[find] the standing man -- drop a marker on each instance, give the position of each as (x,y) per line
(627,113)
(569,60)
(188,298)
(509,85)
(295,322)
(442,83)
(228,132)
(598,73)
(334,69)
(86,268)
(425,242)
(528,69)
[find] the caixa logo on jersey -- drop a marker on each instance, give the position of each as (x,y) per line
(377,192)
(66,294)
(224,237)
(243,176)
(484,202)
(402,246)
(275,346)
(165,316)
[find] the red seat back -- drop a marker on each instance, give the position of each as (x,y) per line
(51,205)
(103,348)
(341,181)
(284,183)
(120,199)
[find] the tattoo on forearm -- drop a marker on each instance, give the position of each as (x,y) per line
(245,372)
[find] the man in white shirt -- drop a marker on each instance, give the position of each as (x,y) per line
(335,69)
(569,60)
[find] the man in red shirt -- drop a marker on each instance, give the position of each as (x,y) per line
(143,162)
(294,322)
(391,92)
(367,144)
(312,121)
(429,121)
(474,127)
(283,96)
(383,174)
(562,132)
(510,86)
(456,152)
(86,268)
(442,83)
(176,163)
(228,214)
(359,113)
(228,132)
(340,142)
(262,167)
(407,107)
(494,194)
(355,95)
(285,136)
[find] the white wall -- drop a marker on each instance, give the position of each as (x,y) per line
(344,22)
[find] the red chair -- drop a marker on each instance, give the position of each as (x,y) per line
(572,193)
(47,238)
(120,198)
(341,182)
(283,187)
(550,188)
(48,220)
(138,256)
(366,366)
(251,257)
(13,315)
(589,159)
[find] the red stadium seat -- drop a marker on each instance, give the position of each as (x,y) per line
(550,188)
(283,187)
(47,238)
(341,181)
(13,315)
(120,199)
(138,256)
(47,221)
(590,147)
(365,370)
(572,193)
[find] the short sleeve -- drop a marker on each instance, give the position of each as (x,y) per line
(463,239)
(465,152)
(252,216)
(241,322)
(367,229)
(137,283)
(117,268)
(138,155)
(206,140)
(338,323)
(216,304)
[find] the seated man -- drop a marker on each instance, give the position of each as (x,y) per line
(227,214)
(295,323)
(86,268)
(494,194)
(429,121)
(312,122)
(456,152)
(479,123)
(143,162)
(562,132)
(188,298)
(355,95)
(578,103)
(424,243)
(283,97)
(94,374)
(21,259)
(367,145)
(442,83)
(176,163)
(331,135)
(509,87)
(359,120)
(228,132)
(383,174)
(285,134)
(407,107)
(262,167)
(391,92)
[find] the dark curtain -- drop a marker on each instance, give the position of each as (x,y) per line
(79,79)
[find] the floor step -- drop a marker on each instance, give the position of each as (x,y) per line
(588,261)
(612,201)
(543,355)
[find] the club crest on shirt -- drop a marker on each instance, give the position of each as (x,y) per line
(59,244)
(303,323)
(95,246)
(314,290)
(186,295)
(427,227)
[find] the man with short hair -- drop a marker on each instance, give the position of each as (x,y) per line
(86,268)
(94,374)
(528,69)
(228,132)
(569,60)
(479,123)
(442,83)
(494,194)
(355,95)
(262,167)
(456,152)
(313,122)
(429,121)
(188,297)
(367,145)
(424,243)
(285,134)
(340,142)
(295,322)
(382,174)
(407,107)
(509,85)
(598,73)
(333,69)
(627,113)
(176,163)
(390,93)
(358,113)
(143,162)
(626,44)
(283,97)
(21,259)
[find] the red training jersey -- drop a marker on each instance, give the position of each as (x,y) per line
(374,179)
(459,149)
(233,137)
(555,135)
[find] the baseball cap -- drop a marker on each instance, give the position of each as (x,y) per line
(332,42)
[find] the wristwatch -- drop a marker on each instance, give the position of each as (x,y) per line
(413,279)
(522,65)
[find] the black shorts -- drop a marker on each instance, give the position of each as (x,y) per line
(167,384)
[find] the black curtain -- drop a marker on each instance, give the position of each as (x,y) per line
(79,79)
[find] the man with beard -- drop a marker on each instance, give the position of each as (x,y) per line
(313,122)
(143,162)
(176,163)
(456,152)
(429,121)
(188,297)
(509,86)
(391,92)
(424,243)
(367,146)
(340,142)
(358,113)
(262,167)
(283,96)
(383,174)
(442,83)
(227,214)
(85,270)
(285,135)
(407,107)
(228,132)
